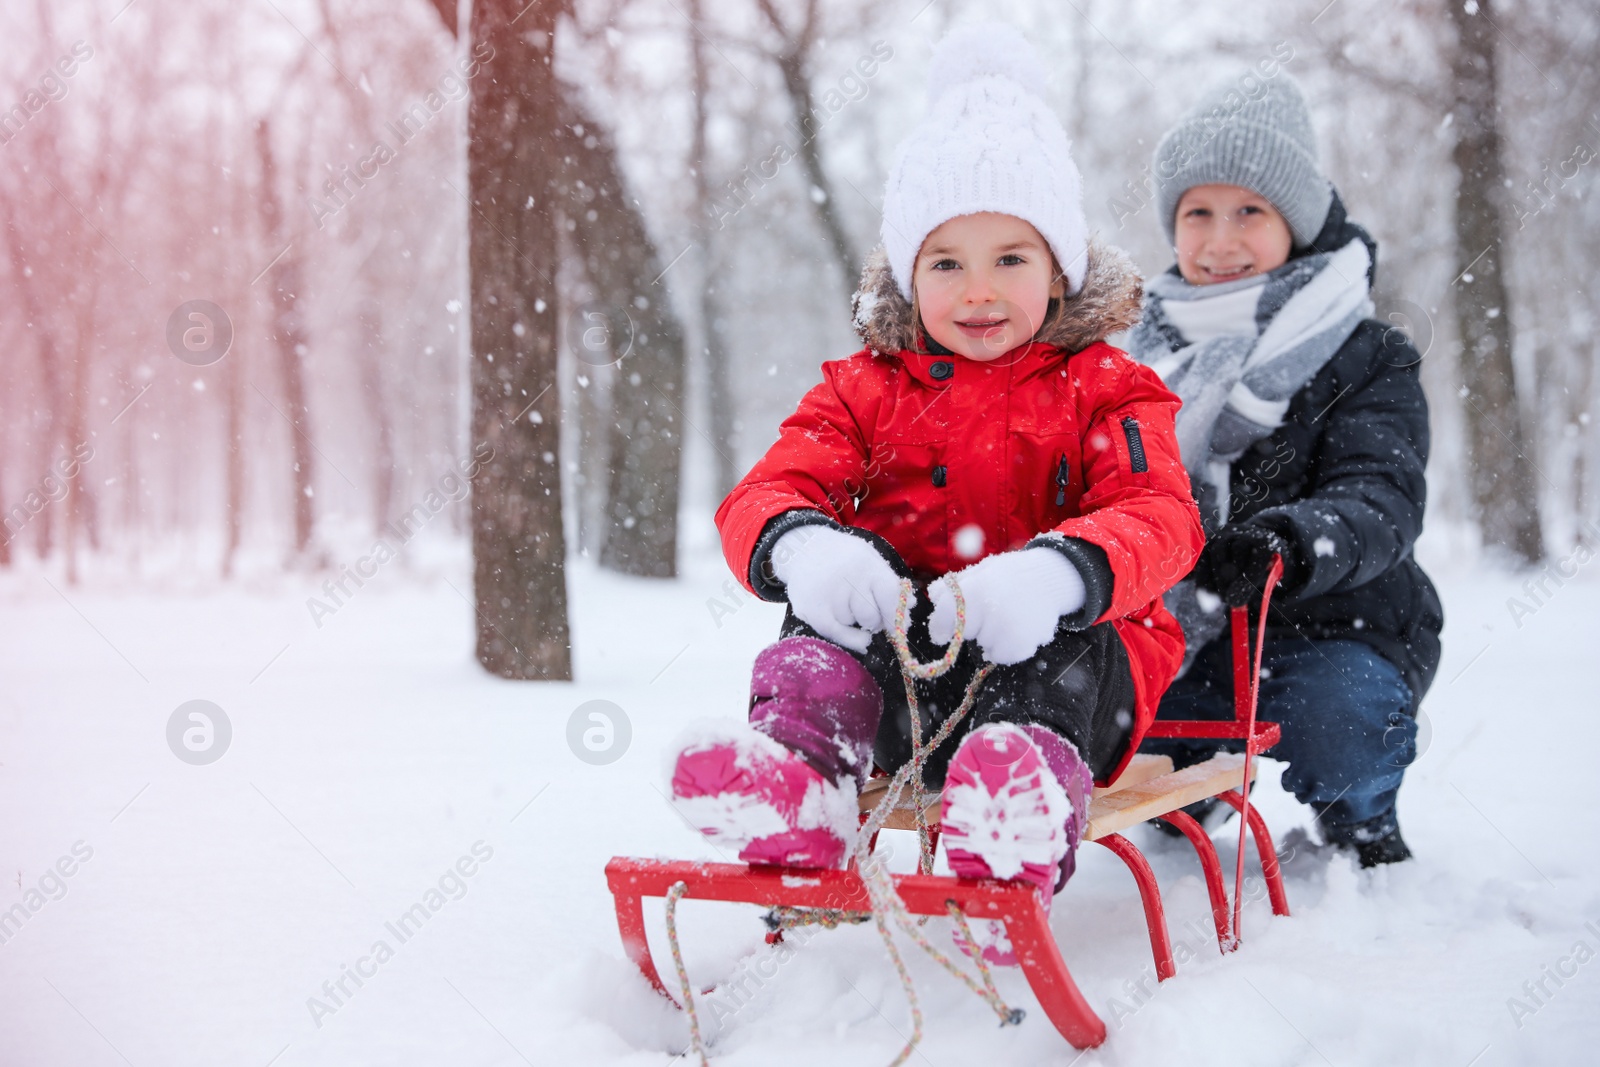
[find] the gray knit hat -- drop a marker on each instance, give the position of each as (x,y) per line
(1252,132)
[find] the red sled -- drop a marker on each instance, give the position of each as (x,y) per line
(1147,789)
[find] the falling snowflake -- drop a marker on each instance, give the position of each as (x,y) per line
(969,541)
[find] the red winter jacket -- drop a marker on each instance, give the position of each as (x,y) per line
(951,460)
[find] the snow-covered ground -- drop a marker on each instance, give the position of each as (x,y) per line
(373,767)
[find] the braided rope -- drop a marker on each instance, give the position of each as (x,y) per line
(881,892)
(1008,1016)
(902,624)
(784,917)
(886,899)
(675,894)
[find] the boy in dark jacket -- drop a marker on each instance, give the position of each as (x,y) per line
(1305,433)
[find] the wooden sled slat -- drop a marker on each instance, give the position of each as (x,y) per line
(1141,769)
(1127,807)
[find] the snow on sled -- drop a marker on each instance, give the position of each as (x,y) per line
(1147,789)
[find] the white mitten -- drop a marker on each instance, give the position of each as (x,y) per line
(1014,601)
(838,584)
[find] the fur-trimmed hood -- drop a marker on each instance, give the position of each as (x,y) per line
(1110,301)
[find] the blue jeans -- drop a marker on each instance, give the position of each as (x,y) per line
(1344,712)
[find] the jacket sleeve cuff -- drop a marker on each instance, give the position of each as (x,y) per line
(762,580)
(1093,566)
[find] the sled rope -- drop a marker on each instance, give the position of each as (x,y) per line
(911,669)
(784,917)
(886,901)
(1008,1016)
(674,895)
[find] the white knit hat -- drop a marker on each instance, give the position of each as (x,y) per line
(989,143)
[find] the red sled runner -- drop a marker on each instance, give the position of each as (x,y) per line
(1147,789)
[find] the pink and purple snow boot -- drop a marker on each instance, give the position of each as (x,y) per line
(1015,808)
(782,789)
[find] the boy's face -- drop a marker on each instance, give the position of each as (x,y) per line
(1226,232)
(983,283)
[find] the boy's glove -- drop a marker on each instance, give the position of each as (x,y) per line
(837,584)
(1235,562)
(1014,601)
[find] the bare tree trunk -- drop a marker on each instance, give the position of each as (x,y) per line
(1579,404)
(792,64)
(370,358)
(232,371)
(622,263)
(27,280)
(45,525)
(79,506)
(5,533)
(518,544)
(594,455)
(719,385)
(792,58)
(287,331)
(132,489)
(233,462)
(1502,474)
(584,340)
(82,517)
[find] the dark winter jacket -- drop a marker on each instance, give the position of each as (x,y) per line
(1064,442)
(1342,481)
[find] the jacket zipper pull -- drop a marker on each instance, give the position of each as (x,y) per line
(1061,482)
(1136,456)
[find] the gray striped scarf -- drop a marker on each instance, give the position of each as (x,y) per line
(1236,385)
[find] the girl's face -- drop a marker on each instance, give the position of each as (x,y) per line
(1225,232)
(983,283)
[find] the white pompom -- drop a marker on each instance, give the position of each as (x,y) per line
(981,51)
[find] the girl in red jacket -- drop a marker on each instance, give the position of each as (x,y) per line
(987,432)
